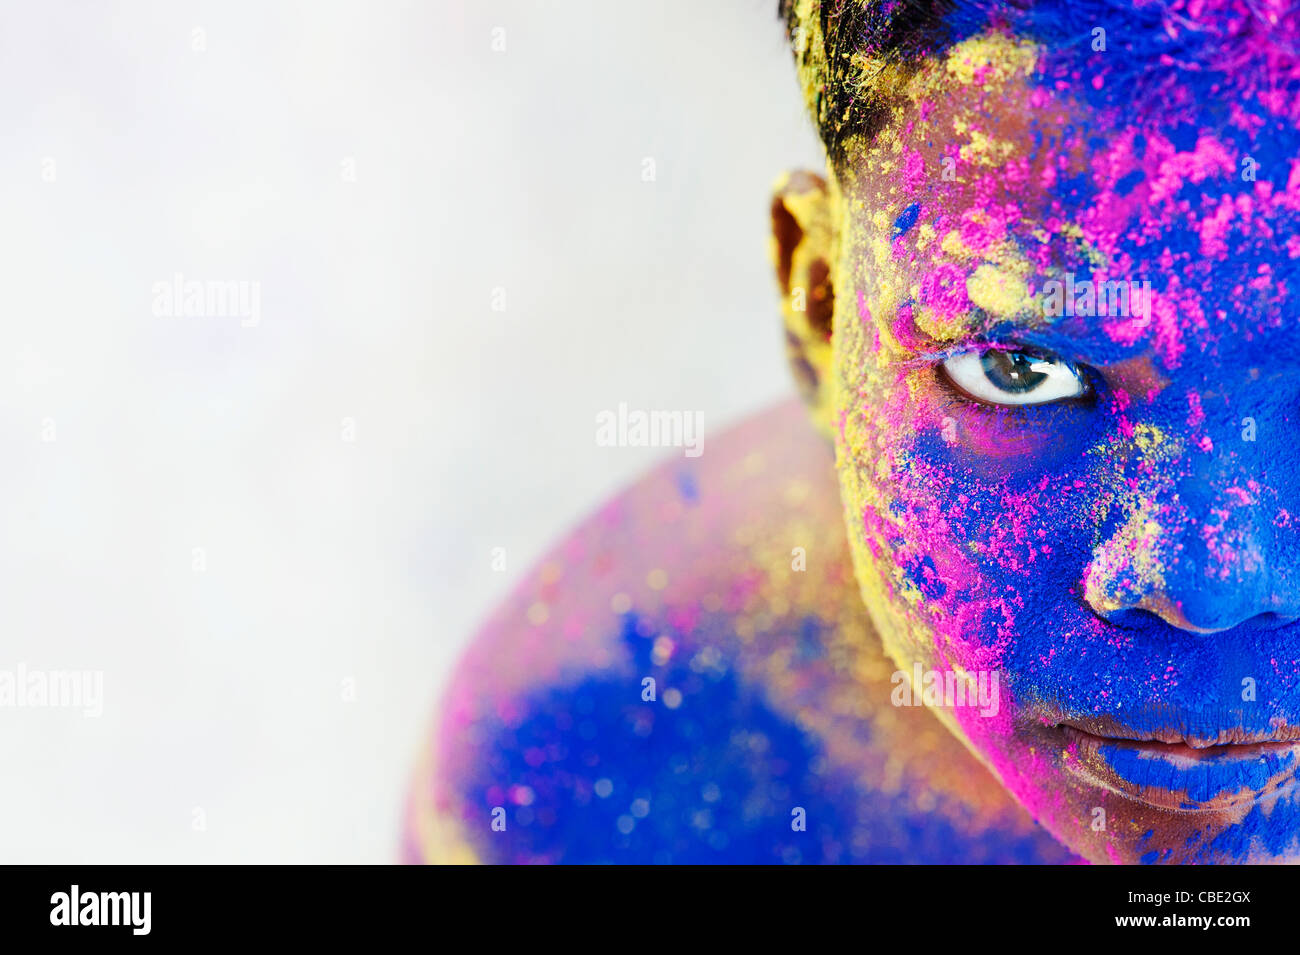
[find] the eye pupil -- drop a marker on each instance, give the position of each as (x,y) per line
(1012,371)
(1011,376)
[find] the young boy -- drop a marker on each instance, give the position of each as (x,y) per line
(1039,602)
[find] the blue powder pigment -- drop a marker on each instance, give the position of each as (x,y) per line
(1130,182)
(906,219)
(1274,829)
(925,577)
(715,779)
(1211,776)
(686,486)
(811,643)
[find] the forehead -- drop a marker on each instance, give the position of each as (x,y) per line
(1191,31)
(1032,148)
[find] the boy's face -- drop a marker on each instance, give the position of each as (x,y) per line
(1100,509)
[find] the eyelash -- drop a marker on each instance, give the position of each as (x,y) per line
(954,398)
(936,358)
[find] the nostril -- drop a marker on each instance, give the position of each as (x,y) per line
(1140,617)
(1175,615)
(1269,621)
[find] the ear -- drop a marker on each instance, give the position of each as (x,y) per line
(803,240)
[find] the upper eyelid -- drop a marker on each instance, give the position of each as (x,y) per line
(941,355)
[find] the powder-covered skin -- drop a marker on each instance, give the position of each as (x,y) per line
(1085,549)
(1124,562)
(771,695)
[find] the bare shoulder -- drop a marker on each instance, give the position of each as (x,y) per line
(690,676)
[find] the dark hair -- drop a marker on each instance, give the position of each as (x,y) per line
(843,48)
(896,33)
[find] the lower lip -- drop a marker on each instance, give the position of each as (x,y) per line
(1180,777)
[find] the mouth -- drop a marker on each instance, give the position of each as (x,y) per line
(1184,775)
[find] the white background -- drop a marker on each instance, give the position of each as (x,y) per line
(329,560)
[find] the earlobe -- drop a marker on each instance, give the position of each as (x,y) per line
(803,240)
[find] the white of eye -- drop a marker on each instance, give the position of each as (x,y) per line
(1012,377)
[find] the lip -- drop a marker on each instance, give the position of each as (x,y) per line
(1170,772)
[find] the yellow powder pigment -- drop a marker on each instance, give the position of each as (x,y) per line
(944,100)
(1130,562)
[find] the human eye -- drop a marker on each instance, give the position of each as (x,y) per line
(1013,377)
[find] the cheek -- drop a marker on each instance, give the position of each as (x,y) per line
(990,444)
(913,560)
(971,516)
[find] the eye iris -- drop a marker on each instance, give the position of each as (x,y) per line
(1010,370)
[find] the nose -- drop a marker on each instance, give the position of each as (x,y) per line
(1209,558)
(1177,617)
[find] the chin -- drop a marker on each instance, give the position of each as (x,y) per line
(1113,800)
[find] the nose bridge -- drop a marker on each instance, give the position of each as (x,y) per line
(1215,532)
(1219,527)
